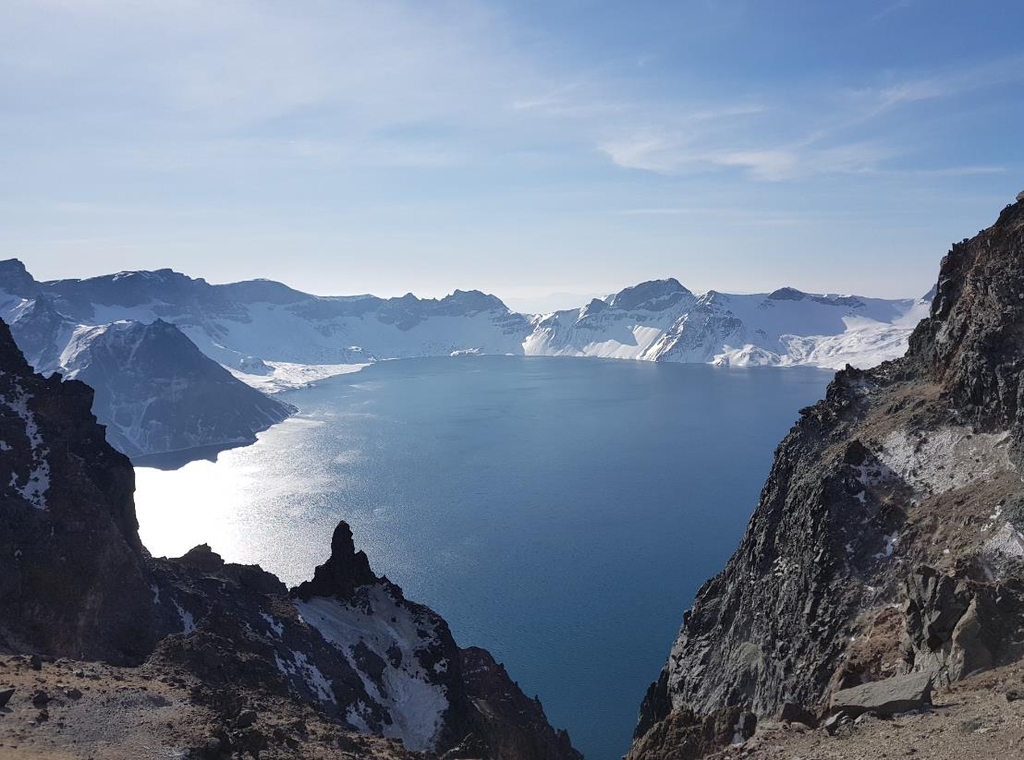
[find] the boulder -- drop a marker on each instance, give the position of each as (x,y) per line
(793,713)
(893,695)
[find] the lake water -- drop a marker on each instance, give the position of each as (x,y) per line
(560,512)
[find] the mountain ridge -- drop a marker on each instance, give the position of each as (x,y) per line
(657,320)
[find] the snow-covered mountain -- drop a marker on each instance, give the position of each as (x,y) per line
(157,393)
(154,390)
(663,321)
(273,337)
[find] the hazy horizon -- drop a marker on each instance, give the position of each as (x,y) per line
(523,149)
(535,303)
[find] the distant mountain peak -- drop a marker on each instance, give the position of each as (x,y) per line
(16,280)
(474,300)
(787,294)
(653,295)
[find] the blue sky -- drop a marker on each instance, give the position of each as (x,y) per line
(523,148)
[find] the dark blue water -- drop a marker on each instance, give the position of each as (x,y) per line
(560,512)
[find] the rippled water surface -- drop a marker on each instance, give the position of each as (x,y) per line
(560,512)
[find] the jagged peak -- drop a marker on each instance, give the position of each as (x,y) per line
(12,360)
(787,294)
(343,572)
(596,306)
(973,339)
(16,280)
(653,295)
(475,300)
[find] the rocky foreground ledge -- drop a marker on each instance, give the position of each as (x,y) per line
(106,652)
(882,572)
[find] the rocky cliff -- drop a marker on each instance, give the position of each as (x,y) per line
(248,665)
(887,537)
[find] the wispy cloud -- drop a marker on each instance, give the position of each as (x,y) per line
(892,8)
(819,133)
(242,82)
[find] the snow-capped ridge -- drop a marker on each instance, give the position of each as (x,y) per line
(294,338)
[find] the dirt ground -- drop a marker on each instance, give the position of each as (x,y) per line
(972,720)
(68,710)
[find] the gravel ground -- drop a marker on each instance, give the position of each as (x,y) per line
(973,720)
(91,710)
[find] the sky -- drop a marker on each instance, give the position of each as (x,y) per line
(523,148)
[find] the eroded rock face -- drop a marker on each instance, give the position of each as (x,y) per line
(343,572)
(972,342)
(511,724)
(887,539)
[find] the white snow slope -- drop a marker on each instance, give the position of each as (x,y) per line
(397,635)
(663,321)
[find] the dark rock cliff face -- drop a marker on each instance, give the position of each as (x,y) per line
(972,342)
(76,582)
(343,572)
(887,537)
(72,570)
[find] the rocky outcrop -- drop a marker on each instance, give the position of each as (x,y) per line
(506,720)
(73,578)
(887,538)
(345,647)
(343,572)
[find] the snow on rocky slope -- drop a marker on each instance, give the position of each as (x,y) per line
(664,321)
(274,337)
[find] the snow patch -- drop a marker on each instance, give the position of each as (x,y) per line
(287,376)
(275,626)
(355,719)
(188,623)
(1007,541)
(37,481)
(891,542)
(946,459)
(416,706)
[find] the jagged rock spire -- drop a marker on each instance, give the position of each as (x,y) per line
(343,572)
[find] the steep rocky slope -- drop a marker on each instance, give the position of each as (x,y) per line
(345,651)
(888,537)
(157,393)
